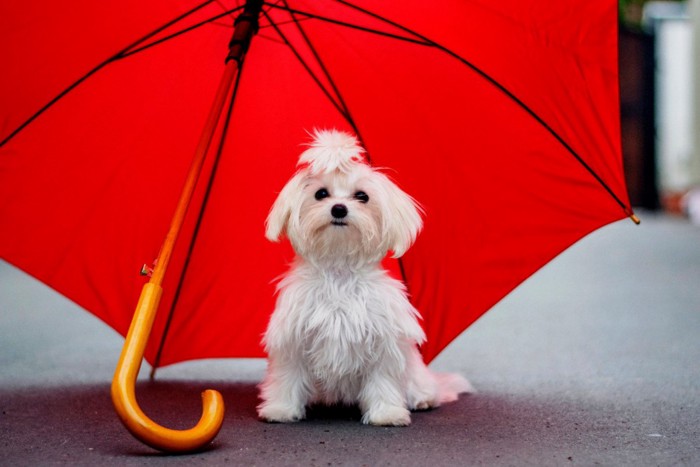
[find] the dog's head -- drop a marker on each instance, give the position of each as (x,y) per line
(337,207)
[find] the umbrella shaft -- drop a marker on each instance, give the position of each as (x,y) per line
(245,27)
(123,385)
(205,140)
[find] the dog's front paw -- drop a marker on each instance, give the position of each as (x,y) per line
(280,413)
(387,415)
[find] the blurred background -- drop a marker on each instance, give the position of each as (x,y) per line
(592,362)
(660,104)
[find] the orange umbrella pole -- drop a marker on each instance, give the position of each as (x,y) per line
(124,382)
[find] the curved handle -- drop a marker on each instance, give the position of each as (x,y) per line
(124,397)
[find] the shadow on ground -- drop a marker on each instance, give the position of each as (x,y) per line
(79,426)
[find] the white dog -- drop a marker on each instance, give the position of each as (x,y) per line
(343,331)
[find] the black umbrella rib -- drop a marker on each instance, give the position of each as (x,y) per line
(341,100)
(136,50)
(505,91)
(306,66)
(419,41)
(97,68)
(282,23)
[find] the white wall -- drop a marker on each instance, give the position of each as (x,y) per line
(695,160)
(674,104)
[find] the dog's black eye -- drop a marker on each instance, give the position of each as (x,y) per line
(361,196)
(322,193)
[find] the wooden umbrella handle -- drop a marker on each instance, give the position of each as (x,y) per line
(124,382)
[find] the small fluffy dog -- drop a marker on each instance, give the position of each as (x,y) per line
(343,331)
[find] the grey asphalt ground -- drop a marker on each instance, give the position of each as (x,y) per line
(595,360)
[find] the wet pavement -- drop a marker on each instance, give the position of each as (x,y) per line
(595,360)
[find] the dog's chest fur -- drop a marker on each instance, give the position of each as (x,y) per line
(341,323)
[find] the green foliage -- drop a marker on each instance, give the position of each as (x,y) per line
(631,11)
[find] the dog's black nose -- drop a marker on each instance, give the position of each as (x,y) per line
(339,211)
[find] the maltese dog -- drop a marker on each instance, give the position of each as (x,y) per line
(343,330)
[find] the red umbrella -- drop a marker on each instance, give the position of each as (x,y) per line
(500,118)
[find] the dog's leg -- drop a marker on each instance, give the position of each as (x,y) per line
(422,387)
(382,402)
(285,392)
(427,389)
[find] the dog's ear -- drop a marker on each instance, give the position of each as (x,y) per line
(287,202)
(402,218)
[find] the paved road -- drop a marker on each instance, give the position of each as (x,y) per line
(595,360)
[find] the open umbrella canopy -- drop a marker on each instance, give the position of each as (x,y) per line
(500,118)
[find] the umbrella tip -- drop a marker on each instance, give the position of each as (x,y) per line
(634,217)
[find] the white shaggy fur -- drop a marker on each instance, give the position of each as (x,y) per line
(343,331)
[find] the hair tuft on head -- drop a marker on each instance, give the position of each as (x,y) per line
(332,150)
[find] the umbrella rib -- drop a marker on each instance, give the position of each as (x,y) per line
(420,41)
(222,6)
(508,93)
(282,23)
(270,6)
(324,69)
(131,52)
(308,69)
(97,68)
